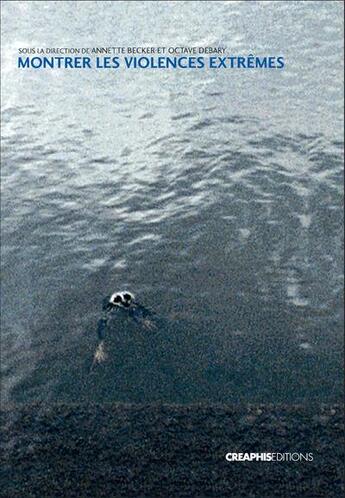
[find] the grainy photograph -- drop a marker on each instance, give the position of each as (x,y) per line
(172,249)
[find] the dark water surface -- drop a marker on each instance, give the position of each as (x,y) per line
(214,196)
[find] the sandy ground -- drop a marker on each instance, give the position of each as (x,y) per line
(119,450)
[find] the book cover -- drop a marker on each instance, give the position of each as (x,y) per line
(172,249)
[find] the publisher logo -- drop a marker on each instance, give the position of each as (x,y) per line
(269,457)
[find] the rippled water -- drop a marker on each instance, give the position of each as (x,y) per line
(214,196)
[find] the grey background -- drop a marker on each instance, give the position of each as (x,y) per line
(215,196)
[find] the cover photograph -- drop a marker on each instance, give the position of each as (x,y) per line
(172,242)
